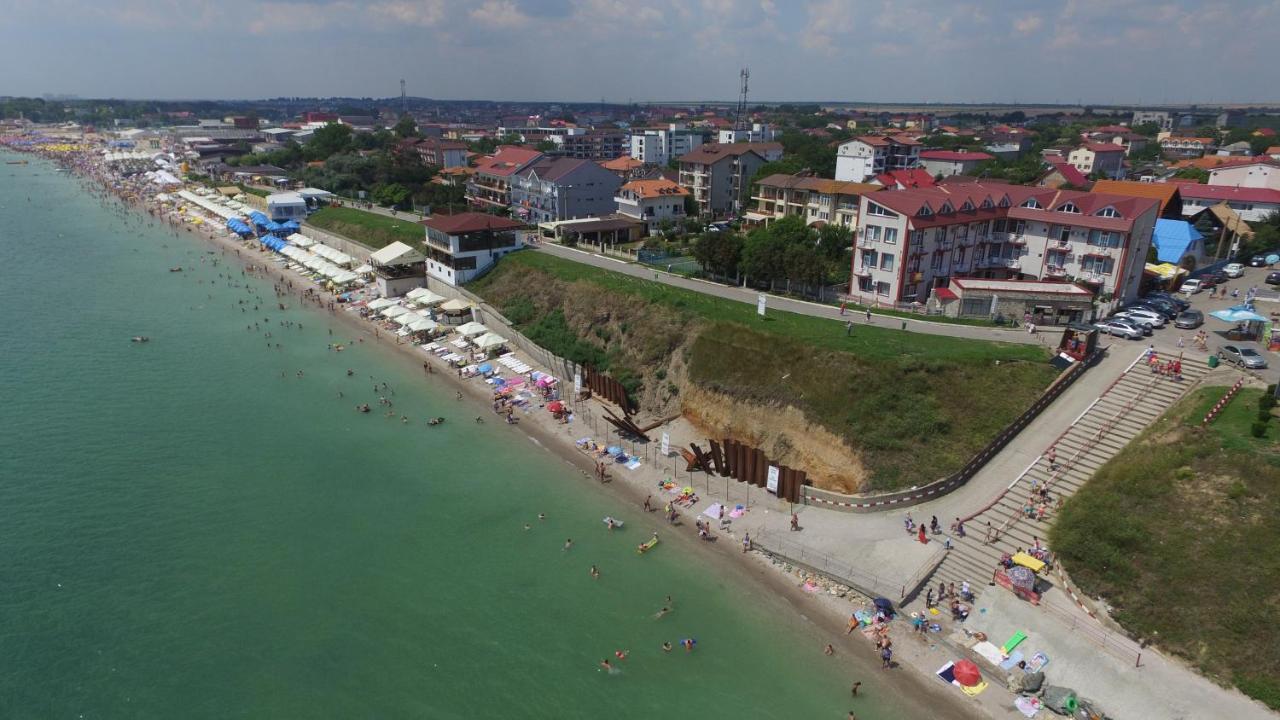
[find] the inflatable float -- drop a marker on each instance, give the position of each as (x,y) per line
(647,546)
(612,522)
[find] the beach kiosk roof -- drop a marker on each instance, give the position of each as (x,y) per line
(490,340)
(472,328)
(397,253)
(455,305)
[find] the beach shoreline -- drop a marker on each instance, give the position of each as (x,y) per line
(826,613)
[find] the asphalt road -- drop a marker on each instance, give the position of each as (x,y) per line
(775,302)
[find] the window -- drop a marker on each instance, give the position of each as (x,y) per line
(917,238)
(1004,201)
(868,258)
(873,233)
(966,207)
(1031,203)
(882,288)
(1109,212)
(891,235)
(987,204)
(925,210)
(946,208)
(1069,207)
(874,209)
(886,261)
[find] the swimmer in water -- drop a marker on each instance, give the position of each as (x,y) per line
(621,654)
(568,543)
(542,516)
(595,572)
(606,665)
(666,647)
(688,644)
(527,526)
(658,615)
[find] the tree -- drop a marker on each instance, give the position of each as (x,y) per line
(546,146)
(1193,173)
(405,127)
(327,141)
(718,252)
(764,255)
(392,195)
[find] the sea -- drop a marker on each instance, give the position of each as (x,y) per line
(200,526)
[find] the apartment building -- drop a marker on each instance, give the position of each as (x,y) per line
(651,202)
(1096,157)
(1262,171)
(863,158)
(490,186)
(911,241)
(442,153)
(558,188)
(758,132)
(812,198)
(1162,119)
(717,175)
(658,146)
(1252,204)
(952,162)
(1185,147)
(593,145)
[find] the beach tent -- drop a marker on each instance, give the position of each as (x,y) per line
(455,305)
(364,269)
(397,253)
(381,303)
(395,311)
(301,240)
(490,340)
(422,324)
(472,328)
(423,296)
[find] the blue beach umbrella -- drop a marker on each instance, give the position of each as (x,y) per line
(485,368)
(1237,316)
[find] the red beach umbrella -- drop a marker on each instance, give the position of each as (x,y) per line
(555,407)
(966,673)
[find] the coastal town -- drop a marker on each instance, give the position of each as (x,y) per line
(972,403)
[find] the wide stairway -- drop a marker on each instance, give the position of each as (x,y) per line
(1123,411)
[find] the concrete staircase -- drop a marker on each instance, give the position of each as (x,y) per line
(1134,401)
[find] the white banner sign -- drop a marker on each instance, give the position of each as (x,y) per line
(771,484)
(760,300)
(666,444)
(577,383)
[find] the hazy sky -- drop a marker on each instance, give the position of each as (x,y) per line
(1099,51)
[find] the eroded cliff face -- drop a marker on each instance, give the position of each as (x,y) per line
(782,432)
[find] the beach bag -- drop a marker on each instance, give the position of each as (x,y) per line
(1031,682)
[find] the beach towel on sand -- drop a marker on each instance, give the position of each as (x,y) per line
(989,652)
(1013,660)
(947,673)
(975,690)
(1028,706)
(1037,662)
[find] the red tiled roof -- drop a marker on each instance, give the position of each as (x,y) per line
(711,152)
(1070,173)
(1243,161)
(507,160)
(1226,192)
(916,178)
(654,188)
(910,202)
(1273,150)
(1098,147)
(1163,192)
(957,155)
(626,162)
(470,222)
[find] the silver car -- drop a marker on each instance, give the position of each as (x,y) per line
(1243,355)
(1120,328)
(1149,317)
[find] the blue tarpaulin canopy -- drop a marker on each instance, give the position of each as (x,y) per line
(1238,315)
(485,368)
(1174,239)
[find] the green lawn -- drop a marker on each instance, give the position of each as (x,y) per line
(915,406)
(369,229)
(1178,532)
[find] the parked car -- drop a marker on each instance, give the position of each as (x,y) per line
(1157,305)
(1258,261)
(1213,279)
(1191,287)
(1179,302)
(1189,319)
(1146,327)
(1150,317)
(1273,278)
(1120,328)
(1233,270)
(1243,355)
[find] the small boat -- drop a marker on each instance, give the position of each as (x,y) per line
(15,162)
(175,269)
(612,522)
(139,338)
(646,547)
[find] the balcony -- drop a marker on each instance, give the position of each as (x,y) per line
(1055,271)
(1060,245)
(865,243)
(863,270)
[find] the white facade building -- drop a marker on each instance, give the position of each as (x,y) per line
(286,206)
(658,147)
(861,159)
(1258,172)
(759,132)
(651,202)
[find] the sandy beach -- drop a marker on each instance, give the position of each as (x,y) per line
(827,610)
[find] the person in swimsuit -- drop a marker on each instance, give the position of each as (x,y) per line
(595,572)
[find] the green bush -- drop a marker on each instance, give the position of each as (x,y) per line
(1259,428)
(1266,402)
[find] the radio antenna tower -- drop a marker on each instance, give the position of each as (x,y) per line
(740,114)
(404,101)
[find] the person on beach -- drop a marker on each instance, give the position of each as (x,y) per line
(746,542)
(647,506)
(853,691)
(886,658)
(795,522)
(829,650)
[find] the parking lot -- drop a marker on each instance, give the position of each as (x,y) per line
(1267,301)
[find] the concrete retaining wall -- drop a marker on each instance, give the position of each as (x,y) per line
(360,252)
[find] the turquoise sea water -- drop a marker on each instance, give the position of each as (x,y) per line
(185,533)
